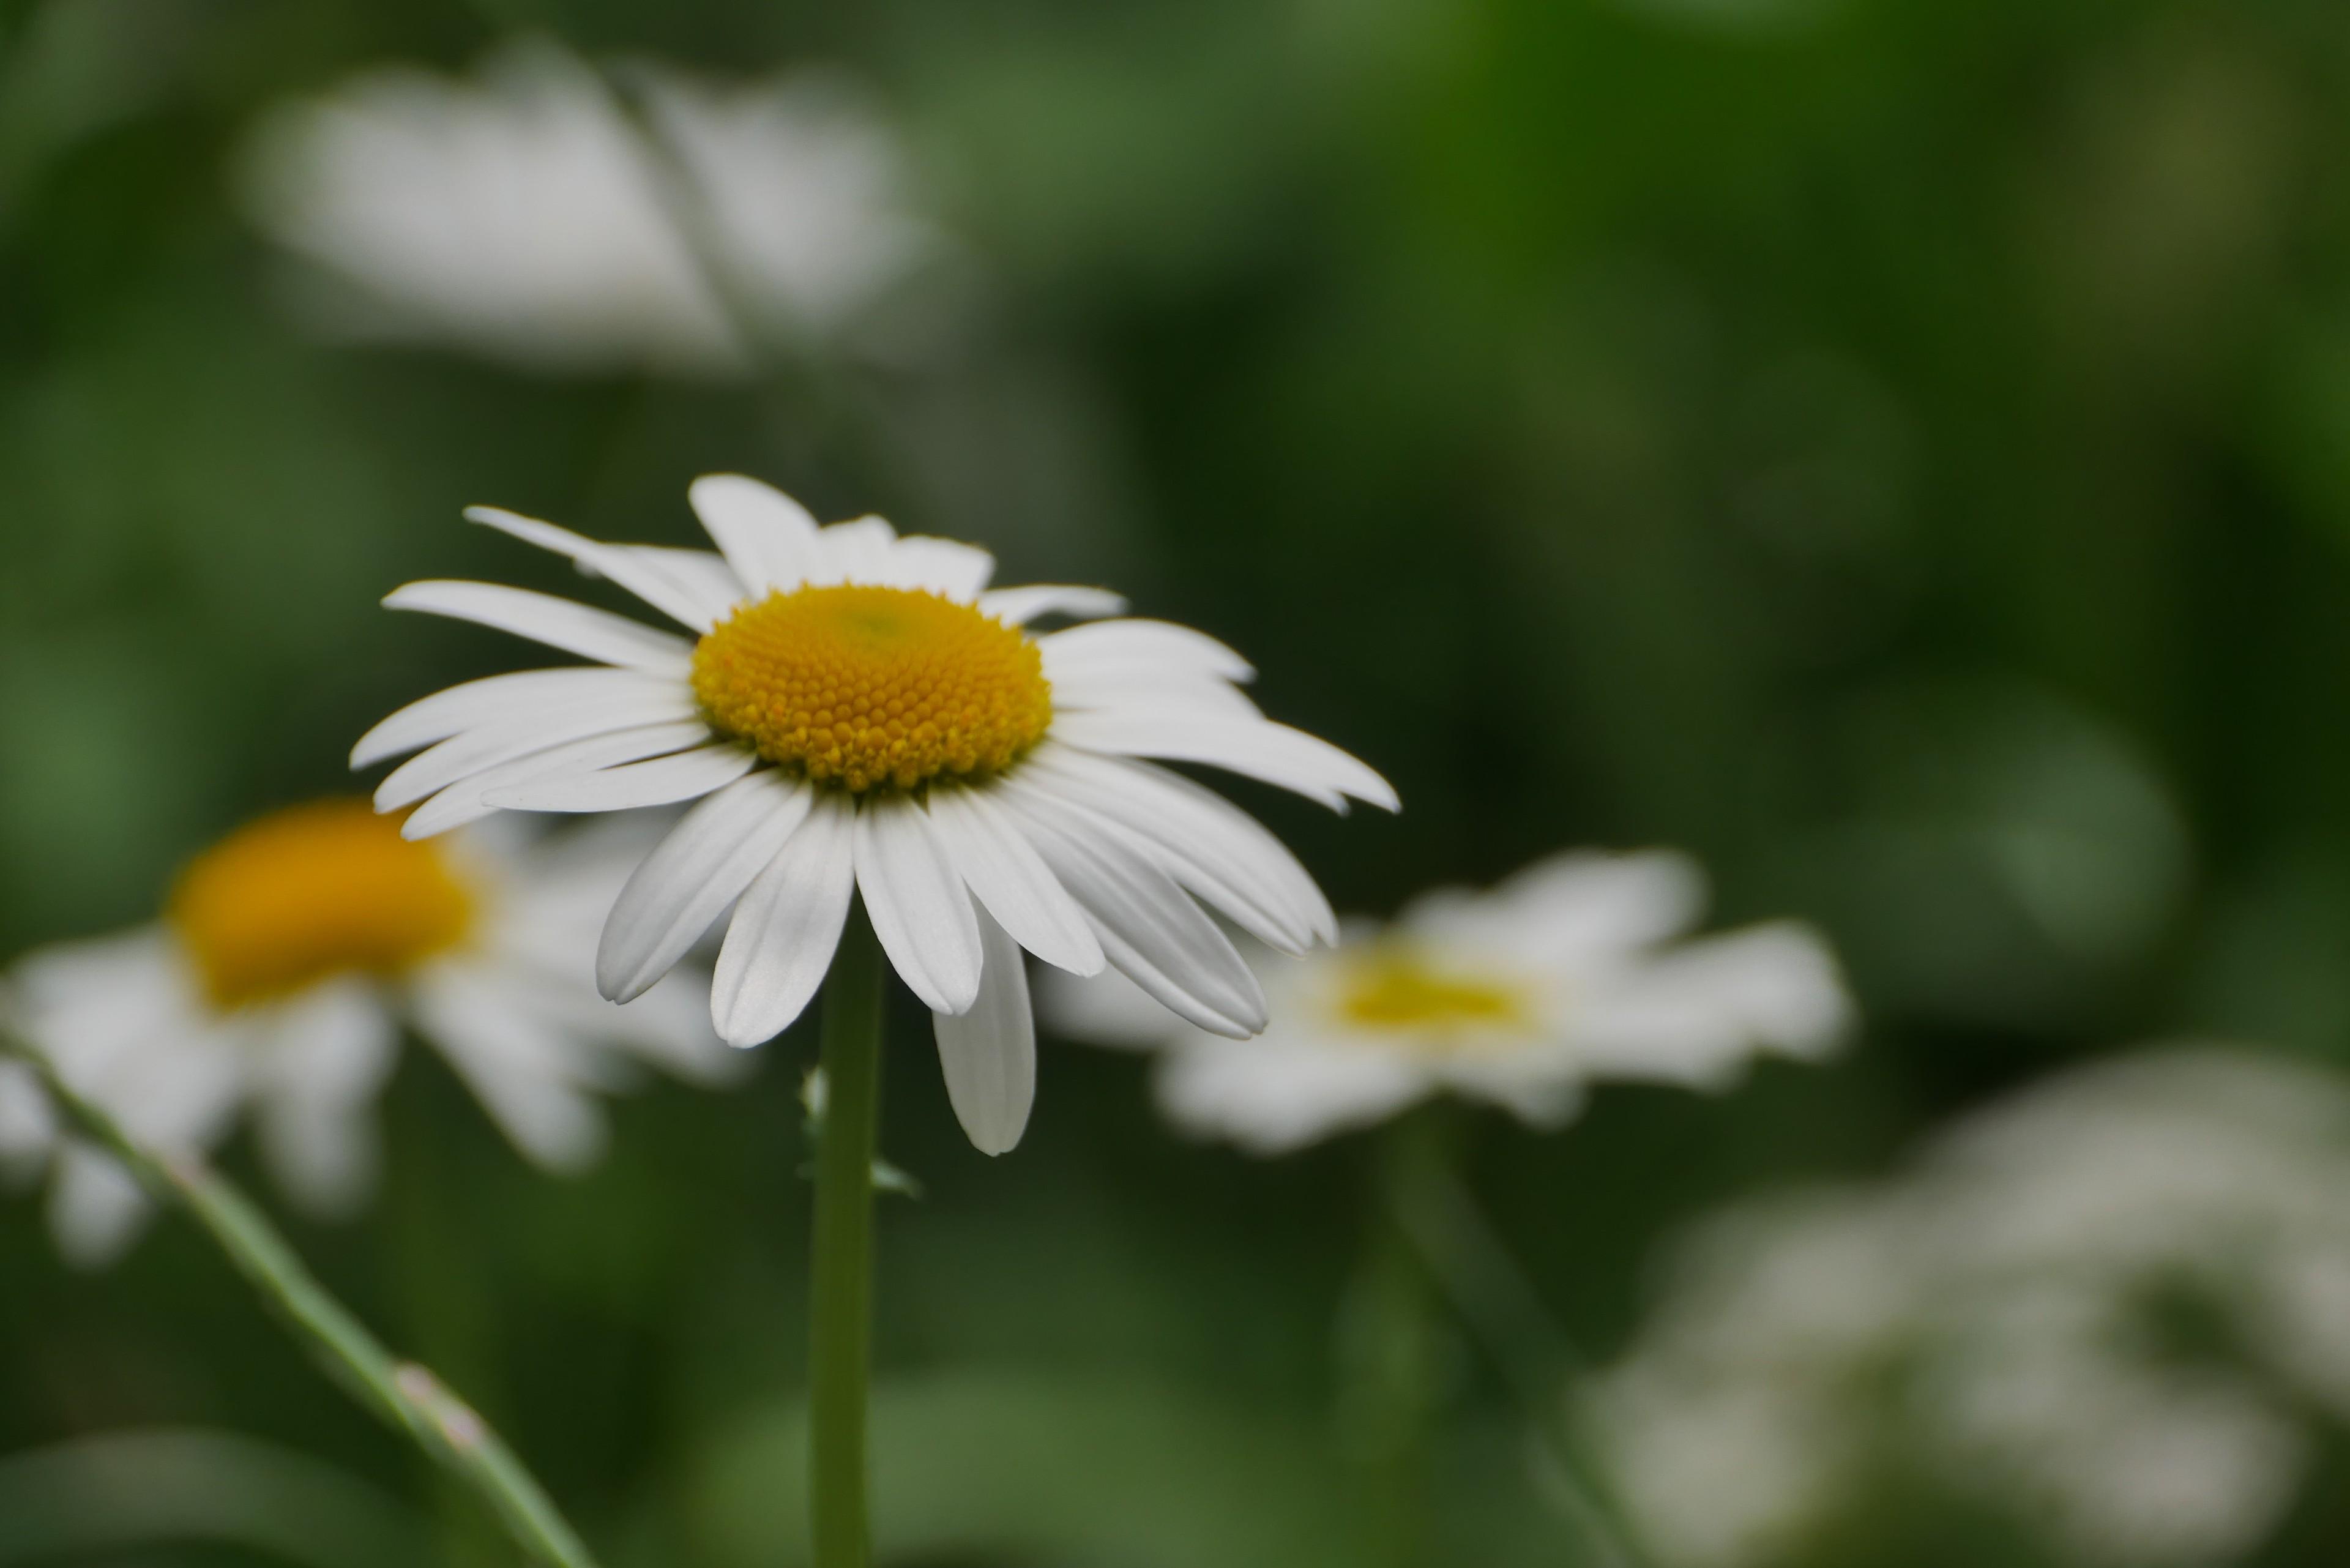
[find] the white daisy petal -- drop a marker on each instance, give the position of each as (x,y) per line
(1018,607)
(1011,881)
(502,698)
(947,568)
(702,577)
(559,623)
(916,900)
(28,1123)
(1152,690)
(82,999)
(1274,1100)
(325,1155)
(470,751)
(1591,904)
(656,587)
(780,943)
(854,551)
(518,1067)
(1539,1094)
(1695,1014)
(686,883)
(989,1053)
(767,537)
(663,781)
(121,1020)
(327,1056)
(1107,1009)
(1150,929)
(1151,643)
(96,1207)
(1206,842)
(1274,753)
(668,1026)
(465,801)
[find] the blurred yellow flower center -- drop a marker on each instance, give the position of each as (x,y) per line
(862,687)
(313,891)
(1394,989)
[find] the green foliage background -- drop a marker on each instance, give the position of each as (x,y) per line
(1899,449)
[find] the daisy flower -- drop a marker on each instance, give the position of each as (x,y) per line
(2113,1308)
(524,216)
(1572,970)
(290,956)
(857,714)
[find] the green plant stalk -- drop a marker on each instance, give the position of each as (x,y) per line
(1501,1307)
(1394,1348)
(408,1396)
(841,1319)
(439,1316)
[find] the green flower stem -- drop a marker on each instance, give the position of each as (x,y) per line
(1393,1353)
(840,1345)
(406,1395)
(439,1316)
(1485,1285)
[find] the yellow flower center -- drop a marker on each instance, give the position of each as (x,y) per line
(1392,990)
(312,891)
(860,686)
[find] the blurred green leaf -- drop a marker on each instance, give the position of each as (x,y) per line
(1048,1468)
(128,1491)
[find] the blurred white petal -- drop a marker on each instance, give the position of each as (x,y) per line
(521,214)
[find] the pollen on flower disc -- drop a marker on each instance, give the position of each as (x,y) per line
(1391,988)
(311,891)
(861,687)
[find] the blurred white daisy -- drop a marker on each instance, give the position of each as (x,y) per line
(2117,1306)
(1573,969)
(290,956)
(861,714)
(28,1128)
(526,216)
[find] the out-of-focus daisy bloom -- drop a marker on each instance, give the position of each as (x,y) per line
(1573,969)
(525,214)
(28,1127)
(290,956)
(2118,1307)
(858,713)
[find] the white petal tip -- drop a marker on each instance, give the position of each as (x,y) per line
(744,1027)
(622,988)
(366,751)
(995,1132)
(954,1004)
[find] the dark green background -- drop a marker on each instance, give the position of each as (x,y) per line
(1899,449)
